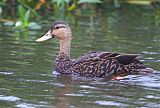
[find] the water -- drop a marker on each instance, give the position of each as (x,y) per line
(25,66)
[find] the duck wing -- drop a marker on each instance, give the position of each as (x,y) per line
(95,55)
(122,58)
(127,58)
(101,64)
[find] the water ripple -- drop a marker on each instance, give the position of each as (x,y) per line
(6,72)
(9,98)
(109,103)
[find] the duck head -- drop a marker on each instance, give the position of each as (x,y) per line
(59,29)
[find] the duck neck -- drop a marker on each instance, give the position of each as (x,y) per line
(65,45)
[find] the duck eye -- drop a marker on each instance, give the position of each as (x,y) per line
(57,27)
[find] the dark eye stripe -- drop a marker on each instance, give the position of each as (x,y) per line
(59,27)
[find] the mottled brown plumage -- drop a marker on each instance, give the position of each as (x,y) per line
(92,64)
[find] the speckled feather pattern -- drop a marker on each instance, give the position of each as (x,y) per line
(92,64)
(96,64)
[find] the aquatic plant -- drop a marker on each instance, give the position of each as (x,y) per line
(26,9)
(23,16)
(70,5)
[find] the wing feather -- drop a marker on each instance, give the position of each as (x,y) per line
(96,64)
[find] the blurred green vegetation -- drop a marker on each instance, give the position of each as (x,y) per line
(20,12)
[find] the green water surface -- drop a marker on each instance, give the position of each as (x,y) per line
(26,66)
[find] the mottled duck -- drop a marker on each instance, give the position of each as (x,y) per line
(93,64)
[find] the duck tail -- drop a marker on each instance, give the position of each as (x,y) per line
(138,67)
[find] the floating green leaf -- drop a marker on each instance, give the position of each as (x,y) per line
(139,2)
